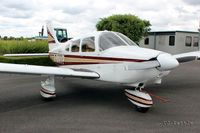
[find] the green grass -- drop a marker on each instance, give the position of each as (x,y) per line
(23,46)
(39,60)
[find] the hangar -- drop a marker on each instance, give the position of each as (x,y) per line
(173,42)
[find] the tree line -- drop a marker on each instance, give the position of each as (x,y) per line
(12,38)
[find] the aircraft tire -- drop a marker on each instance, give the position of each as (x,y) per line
(142,109)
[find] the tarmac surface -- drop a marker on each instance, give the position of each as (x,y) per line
(99,107)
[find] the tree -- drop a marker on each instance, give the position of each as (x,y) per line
(5,38)
(11,38)
(129,25)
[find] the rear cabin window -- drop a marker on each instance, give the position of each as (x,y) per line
(188,41)
(75,46)
(88,44)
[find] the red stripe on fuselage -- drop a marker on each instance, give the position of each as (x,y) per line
(101,58)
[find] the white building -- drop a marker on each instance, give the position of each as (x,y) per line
(173,42)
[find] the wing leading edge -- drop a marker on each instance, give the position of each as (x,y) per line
(44,70)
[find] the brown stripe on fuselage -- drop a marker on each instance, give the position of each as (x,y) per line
(83,63)
(68,59)
(105,58)
(61,59)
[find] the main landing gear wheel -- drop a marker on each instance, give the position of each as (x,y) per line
(48,90)
(140,99)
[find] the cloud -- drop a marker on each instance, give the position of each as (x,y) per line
(192,2)
(17,9)
(14,13)
(17,6)
(74,10)
(26,17)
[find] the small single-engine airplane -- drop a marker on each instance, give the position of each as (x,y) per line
(104,56)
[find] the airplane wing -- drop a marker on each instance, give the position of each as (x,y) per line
(19,55)
(185,57)
(44,70)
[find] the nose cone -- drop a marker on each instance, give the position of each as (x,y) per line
(167,62)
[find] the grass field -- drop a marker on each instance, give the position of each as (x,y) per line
(24,46)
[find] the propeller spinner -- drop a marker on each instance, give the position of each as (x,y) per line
(167,62)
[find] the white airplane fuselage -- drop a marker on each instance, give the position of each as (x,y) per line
(112,64)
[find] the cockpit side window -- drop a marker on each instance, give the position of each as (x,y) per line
(108,40)
(88,44)
(75,46)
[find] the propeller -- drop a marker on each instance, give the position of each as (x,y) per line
(163,62)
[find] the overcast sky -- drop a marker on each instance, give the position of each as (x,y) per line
(26,17)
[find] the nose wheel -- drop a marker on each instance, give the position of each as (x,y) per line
(141,100)
(142,109)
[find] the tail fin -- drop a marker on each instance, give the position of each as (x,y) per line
(52,39)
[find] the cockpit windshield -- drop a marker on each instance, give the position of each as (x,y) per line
(125,38)
(110,39)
